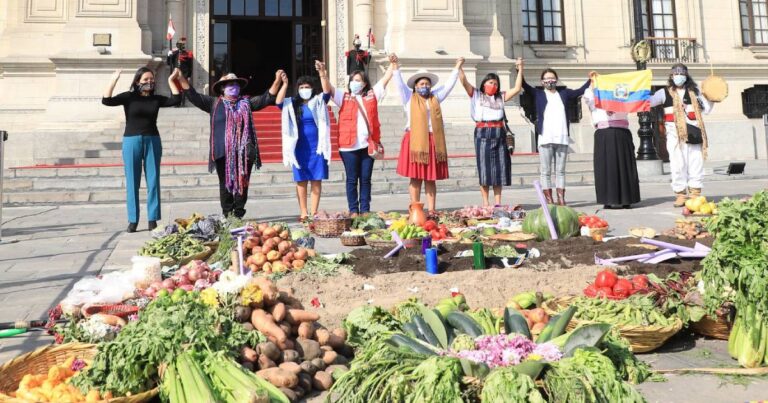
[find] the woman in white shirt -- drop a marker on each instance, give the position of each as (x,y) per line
(423,155)
(686,136)
(494,165)
(616,179)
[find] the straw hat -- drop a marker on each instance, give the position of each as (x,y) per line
(231,77)
(422,73)
(714,88)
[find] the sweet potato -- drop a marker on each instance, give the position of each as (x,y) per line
(265,324)
(296,316)
(287,328)
(264,362)
(340,332)
(268,290)
(306,330)
(278,311)
(318,363)
(270,350)
(289,356)
(308,368)
(279,377)
(329,357)
(111,320)
(322,381)
(249,354)
(322,336)
(291,367)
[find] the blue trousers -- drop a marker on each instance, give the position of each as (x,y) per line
(138,152)
(358,166)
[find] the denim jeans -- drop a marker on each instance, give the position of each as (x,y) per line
(358,166)
(549,155)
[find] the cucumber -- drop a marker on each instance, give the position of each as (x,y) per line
(463,323)
(556,326)
(411,344)
(514,322)
(424,329)
(412,330)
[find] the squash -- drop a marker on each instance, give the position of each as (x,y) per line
(566,222)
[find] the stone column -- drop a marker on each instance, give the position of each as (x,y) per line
(362,19)
(176,11)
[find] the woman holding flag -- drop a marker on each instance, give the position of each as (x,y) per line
(616,180)
(552,125)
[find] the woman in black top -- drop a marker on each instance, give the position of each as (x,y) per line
(141,139)
(233,145)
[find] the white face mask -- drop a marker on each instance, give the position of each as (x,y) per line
(355,86)
(679,79)
(305,93)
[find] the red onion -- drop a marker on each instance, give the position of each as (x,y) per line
(187,287)
(194,274)
(168,284)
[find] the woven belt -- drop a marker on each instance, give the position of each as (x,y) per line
(622,124)
(498,123)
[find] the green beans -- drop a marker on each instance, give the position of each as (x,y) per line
(174,246)
(634,311)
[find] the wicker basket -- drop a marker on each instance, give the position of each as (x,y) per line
(352,239)
(205,254)
(40,360)
(412,242)
(120,310)
(718,327)
(642,339)
(330,228)
(380,243)
(598,231)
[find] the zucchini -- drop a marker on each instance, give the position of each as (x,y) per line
(424,329)
(412,330)
(463,323)
(514,322)
(556,326)
(411,344)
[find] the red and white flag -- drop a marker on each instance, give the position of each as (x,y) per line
(171,29)
(371,38)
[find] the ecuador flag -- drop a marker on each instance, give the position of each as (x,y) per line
(624,92)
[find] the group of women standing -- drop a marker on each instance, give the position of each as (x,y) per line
(423,156)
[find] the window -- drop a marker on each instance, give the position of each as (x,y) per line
(754,22)
(543,21)
(220,49)
(659,22)
(754,101)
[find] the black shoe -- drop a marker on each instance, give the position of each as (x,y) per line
(626,206)
(132,227)
(152,225)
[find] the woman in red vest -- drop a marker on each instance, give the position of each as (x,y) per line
(360,135)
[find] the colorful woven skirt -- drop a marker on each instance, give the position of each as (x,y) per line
(434,171)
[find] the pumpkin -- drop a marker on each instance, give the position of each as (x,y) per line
(566,222)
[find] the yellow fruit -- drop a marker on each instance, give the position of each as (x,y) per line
(705,209)
(689,204)
(712,206)
(702,199)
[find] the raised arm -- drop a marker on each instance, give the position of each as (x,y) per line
(658,97)
(518,81)
(268,98)
(283,89)
(387,74)
(397,75)
(172,81)
(112,83)
(276,84)
(202,102)
(579,92)
(527,87)
(443,91)
(324,81)
(464,82)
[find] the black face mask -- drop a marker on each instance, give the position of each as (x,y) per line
(357,46)
(181,46)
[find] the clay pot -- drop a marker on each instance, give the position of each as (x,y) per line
(416,215)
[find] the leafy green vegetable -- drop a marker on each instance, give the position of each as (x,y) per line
(504,384)
(437,379)
(226,243)
(630,369)
(366,322)
(406,310)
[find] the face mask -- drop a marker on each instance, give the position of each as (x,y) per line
(423,91)
(679,79)
(550,84)
(491,89)
(146,87)
(180,46)
(232,90)
(305,93)
(355,87)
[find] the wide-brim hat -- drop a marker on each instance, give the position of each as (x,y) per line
(229,78)
(433,78)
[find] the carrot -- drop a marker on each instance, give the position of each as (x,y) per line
(268,289)
(278,311)
(279,377)
(296,316)
(264,323)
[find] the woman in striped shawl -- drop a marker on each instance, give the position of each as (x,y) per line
(233,147)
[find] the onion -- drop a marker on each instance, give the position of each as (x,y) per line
(204,274)
(287,260)
(262,227)
(188,287)
(168,284)
(156,285)
(300,254)
(269,232)
(276,239)
(297,264)
(150,292)
(194,275)
(259,259)
(183,280)
(183,271)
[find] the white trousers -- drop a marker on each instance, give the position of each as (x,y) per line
(686,162)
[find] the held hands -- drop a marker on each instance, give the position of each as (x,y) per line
(519,63)
(320,67)
(175,74)
(393,60)
(116,75)
(278,76)
(459,62)
(284,78)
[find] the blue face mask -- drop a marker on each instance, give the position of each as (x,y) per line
(423,91)
(679,79)
(355,87)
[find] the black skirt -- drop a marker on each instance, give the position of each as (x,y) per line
(494,165)
(616,182)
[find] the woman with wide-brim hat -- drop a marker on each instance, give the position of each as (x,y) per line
(234,148)
(423,156)
(141,140)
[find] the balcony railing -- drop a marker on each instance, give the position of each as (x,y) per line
(673,50)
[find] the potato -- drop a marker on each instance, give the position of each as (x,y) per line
(279,377)
(322,336)
(264,362)
(341,360)
(270,350)
(249,354)
(309,349)
(326,348)
(291,367)
(341,333)
(306,330)
(322,381)
(308,368)
(329,357)
(287,328)
(290,394)
(318,362)
(305,382)
(290,356)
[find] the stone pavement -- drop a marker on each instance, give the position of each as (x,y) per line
(56,246)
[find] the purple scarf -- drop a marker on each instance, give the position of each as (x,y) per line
(237,137)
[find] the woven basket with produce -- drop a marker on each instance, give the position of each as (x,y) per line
(718,326)
(327,225)
(352,238)
(179,248)
(636,318)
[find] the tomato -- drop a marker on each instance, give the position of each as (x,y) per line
(435,234)
(590,291)
(640,281)
(603,224)
(429,225)
(606,278)
(603,292)
(623,288)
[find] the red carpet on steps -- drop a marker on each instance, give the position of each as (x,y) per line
(267,124)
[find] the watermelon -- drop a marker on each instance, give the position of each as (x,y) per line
(566,222)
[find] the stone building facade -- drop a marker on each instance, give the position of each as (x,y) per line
(54,62)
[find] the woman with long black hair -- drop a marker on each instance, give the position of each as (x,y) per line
(494,165)
(684,105)
(234,148)
(141,140)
